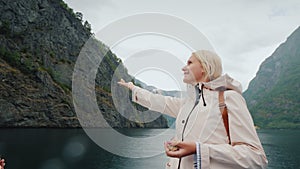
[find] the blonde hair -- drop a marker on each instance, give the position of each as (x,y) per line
(211,63)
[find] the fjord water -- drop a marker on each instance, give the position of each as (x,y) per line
(72,148)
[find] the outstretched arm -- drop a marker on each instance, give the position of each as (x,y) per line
(156,102)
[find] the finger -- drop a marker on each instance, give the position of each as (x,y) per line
(171,153)
(166,146)
(121,81)
(174,142)
(176,154)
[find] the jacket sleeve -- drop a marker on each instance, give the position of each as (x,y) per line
(245,150)
(156,102)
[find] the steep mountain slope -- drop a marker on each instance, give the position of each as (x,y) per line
(273,95)
(40,41)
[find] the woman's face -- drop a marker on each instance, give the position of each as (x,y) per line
(193,71)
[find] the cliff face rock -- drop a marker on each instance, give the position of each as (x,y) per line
(273,95)
(40,41)
(33,100)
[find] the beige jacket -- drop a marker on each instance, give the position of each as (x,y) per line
(205,125)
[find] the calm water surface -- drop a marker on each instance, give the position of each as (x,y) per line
(72,149)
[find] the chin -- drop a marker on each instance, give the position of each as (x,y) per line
(187,81)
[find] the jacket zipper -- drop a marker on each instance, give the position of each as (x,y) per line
(187,119)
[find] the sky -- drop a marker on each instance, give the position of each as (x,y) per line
(242,32)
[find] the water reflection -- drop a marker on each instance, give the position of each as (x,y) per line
(72,148)
(53,164)
(281,147)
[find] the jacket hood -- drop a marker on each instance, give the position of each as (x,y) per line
(224,82)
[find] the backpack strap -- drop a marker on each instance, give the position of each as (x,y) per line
(223,110)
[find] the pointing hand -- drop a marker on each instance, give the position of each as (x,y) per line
(129,85)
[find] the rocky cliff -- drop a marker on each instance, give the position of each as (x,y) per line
(273,95)
(40,41)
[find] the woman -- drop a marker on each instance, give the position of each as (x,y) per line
(202,139)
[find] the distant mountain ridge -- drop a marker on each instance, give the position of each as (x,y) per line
(273,96)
